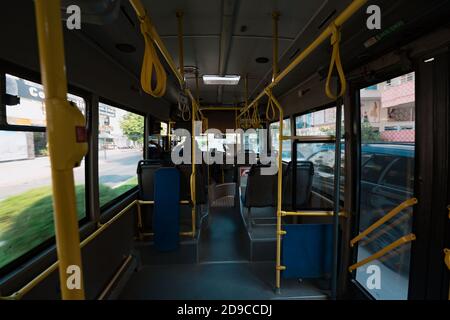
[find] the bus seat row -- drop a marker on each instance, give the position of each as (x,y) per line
(261,190)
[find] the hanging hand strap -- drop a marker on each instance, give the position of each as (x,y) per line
(270,111)
(151,65)
(256,121)
(335,61)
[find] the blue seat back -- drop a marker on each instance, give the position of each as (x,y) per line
(166,217)
(307,250)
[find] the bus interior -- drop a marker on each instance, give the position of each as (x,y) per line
(226,149)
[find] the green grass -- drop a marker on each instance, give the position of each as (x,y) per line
(26,220)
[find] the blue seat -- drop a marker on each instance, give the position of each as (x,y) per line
(166,212)
(307,250)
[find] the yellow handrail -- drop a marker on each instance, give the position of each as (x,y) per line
(219,108)
(338,22)
(33,283)
(278,267)
(405,239)
(67,149)
(312,213)
(387,217)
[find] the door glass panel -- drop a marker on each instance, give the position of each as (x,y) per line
(387,179)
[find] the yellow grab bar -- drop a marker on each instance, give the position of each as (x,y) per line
(278,267)
(312,213)
(67,146)
(406,204)
(405,239)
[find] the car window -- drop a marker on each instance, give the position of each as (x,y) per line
(373,168)
(400,174)
(323,160)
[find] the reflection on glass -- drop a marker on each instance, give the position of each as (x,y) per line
(322,156)
(120,140)
(387,179)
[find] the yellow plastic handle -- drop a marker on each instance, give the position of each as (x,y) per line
(152,69)
(335,61)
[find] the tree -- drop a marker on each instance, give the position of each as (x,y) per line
(368,134)
(132,126)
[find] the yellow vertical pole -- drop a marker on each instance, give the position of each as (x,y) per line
(275,17)
(280,232)
(65,148)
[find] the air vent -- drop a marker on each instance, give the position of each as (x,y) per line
(262,60)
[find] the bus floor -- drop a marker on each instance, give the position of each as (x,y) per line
(223,270)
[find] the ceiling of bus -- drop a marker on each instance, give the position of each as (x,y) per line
(245,28)
(207,22)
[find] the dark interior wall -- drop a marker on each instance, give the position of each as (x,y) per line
(307,96)
(87,67)
(101,259)
(221,120)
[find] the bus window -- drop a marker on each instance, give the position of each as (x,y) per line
(26,206)
(31,110)
(387,179)
(120,147)
(318,123)
(273,130)
(322,155)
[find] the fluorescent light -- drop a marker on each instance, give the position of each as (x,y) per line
(230,80)
(428,60)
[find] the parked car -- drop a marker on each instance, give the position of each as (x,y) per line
(387,179)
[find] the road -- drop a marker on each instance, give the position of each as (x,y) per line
(115,167)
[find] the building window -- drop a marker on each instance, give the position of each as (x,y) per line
(120,141)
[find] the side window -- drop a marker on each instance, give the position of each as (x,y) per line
(120,147)
(388,141)
(322,155)
(26,206)
(318,123)
(274,129)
